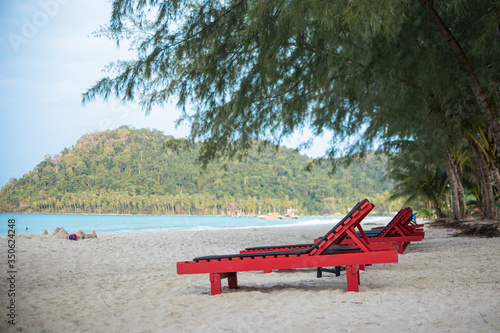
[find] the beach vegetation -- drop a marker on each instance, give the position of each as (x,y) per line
(142,171)
(373,75)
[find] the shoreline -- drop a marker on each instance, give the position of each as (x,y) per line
(304,224)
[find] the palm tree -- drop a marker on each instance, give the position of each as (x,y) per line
(414,180)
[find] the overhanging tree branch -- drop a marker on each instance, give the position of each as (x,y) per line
(467,68)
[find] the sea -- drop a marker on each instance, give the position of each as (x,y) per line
(115,224)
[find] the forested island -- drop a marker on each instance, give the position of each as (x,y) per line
(143,171)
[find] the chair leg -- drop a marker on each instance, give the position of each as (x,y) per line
(353,281)
(320,270)
(215,286)
(232,280)
(401,248)
(215,282)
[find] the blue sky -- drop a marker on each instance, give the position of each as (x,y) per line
(48,58)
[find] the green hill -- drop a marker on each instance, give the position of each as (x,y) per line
(130,171)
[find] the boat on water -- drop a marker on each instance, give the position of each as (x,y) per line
(277,216)
(270,216)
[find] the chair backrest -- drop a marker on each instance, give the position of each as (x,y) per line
(403,227)
(401,216)
(338,233)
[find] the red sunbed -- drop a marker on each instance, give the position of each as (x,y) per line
(327,251)
(395,233)
(400,232)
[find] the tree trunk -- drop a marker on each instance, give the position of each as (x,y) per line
(495,174)
(486,184)
(464,211)
(453,180)
(466,67)
(439,213)
(461,196)
(489,197)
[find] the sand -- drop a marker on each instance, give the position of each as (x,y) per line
(128,283)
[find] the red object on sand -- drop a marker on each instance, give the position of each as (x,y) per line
(326,252)
(399,232)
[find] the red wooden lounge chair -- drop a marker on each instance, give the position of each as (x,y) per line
(400,232)
(327,251)
(395,233)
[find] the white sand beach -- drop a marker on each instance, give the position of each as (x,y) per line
(128,283)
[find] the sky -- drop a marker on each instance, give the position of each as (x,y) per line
(48,58)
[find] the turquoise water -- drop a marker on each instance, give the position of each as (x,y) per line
(111,224)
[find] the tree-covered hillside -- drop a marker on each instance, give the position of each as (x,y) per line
(139,171)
